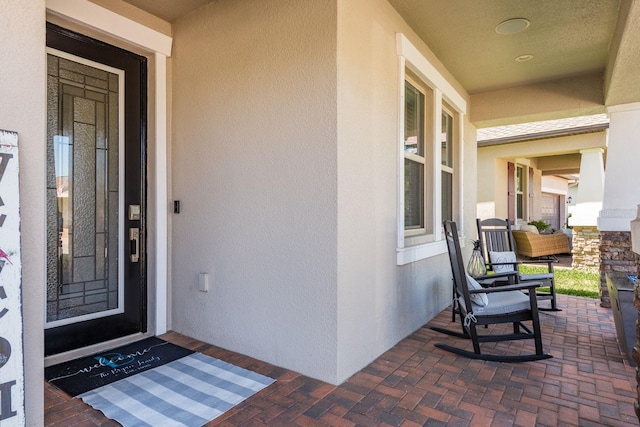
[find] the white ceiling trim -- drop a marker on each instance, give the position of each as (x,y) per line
(113,24)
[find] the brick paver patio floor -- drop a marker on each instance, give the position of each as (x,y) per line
(587,383)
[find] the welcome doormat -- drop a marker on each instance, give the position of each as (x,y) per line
(81,375)
(190,391)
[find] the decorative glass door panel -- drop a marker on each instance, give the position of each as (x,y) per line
(96,142)
(84,276)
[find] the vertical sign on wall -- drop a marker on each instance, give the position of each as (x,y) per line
(11,351)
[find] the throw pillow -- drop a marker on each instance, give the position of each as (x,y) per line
(529,228)
(479,299)
(502,257)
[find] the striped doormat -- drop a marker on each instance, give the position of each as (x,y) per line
(190,391)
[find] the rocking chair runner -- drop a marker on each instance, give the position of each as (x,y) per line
(504,304)
(499,252)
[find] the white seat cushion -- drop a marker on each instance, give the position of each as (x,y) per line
(536,277)
(530,229)
(501,303)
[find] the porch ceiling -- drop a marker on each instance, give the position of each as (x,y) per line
(169,10)
(567,38)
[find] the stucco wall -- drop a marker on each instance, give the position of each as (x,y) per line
(284,156)
(379,303)
(254,165)
(574,96)
(491,184)
(23,109)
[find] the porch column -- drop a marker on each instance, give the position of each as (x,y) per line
(621,196)
(584,215)
(622,180)
(591,189)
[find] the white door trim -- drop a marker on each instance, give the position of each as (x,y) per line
(108,22)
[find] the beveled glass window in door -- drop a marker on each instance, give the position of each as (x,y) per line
(85,237)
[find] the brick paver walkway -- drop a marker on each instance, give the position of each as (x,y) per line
(586,383)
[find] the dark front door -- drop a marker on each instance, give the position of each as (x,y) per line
(96,98)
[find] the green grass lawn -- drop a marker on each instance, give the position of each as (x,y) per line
(569,281)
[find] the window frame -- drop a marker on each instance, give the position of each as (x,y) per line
(413,64)
(513,191)
(424,233)
(452,151)
(520,193)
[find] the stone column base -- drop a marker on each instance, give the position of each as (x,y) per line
(586,248)
(616,260)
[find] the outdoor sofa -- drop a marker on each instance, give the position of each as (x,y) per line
(534,245)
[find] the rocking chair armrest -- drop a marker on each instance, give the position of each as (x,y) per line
(516,287)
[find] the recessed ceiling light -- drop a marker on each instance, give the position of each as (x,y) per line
(525,57)
(512,26)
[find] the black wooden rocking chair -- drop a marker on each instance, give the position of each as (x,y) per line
(503,304)
(496,239)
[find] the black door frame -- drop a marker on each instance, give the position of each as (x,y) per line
(86,333)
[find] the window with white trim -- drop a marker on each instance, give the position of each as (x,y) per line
(418,218)
(430,163)
(519,196)
(427,202)
(447,147)
(520,209)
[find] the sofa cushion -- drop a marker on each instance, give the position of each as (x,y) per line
(529,228)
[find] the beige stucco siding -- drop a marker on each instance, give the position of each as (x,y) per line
(23,109)
(379,302)
(575,96)
(284,155)
(254,165)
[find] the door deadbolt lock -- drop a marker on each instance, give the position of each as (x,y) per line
(134,244)
(134,212)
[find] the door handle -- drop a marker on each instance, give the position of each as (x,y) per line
(134,244)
